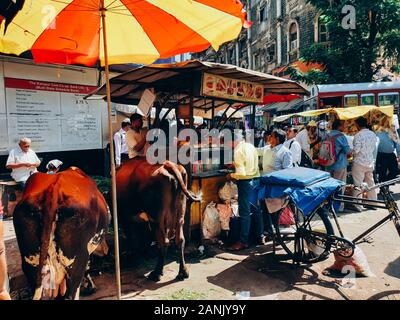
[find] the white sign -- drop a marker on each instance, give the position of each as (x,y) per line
(146,101)
(54,115)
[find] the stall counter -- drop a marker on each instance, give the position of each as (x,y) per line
(208,183)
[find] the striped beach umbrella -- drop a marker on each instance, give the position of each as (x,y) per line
(138,31)
(86,32)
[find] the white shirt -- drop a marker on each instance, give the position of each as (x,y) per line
(364,145)
(18,156)
(304,141)
(274,159)
(294,146)
(132,139)
(120,145)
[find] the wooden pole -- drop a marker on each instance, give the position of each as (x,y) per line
(112,155)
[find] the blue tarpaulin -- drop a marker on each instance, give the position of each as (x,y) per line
(308,188)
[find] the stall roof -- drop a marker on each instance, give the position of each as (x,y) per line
(291,105)
(176,78)
(342,113)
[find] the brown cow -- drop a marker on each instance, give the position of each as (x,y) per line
(160,191)
(59,222)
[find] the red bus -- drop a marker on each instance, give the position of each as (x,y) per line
(357,94)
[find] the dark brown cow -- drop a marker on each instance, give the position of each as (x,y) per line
(160,191)
(59,222)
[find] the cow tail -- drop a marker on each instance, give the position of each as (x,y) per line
(178,175)
(49,217)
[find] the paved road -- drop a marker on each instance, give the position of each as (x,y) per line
(258,274)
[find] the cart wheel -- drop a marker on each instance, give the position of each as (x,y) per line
(306,241)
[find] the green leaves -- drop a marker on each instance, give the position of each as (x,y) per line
(352,54)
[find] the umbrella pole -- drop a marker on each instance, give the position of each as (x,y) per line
(112,155)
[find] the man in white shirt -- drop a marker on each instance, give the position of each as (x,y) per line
(293,145)
(121,149)
(136,137)
(303,137)
(23,161)
(364,149)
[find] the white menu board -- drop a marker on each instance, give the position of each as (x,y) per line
(54,115)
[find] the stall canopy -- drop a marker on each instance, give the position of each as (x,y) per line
(342,113)
(183,80)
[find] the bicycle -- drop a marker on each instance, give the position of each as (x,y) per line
(312,238)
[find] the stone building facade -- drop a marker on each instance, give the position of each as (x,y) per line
(281,28)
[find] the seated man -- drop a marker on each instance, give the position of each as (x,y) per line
(23,162)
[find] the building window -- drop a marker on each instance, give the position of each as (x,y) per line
(293,42)
(323,35)
(232,56)
(271,52)
(368,99)
(350,100)
(293,37)
(256,61)
(263,14)
(242,46)
(388,99)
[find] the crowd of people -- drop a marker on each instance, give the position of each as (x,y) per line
(371,156)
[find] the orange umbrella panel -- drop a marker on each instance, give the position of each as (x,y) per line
(140,31)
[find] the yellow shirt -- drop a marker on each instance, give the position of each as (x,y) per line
(245,157)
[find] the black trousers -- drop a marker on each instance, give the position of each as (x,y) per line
(124,157)
(386,166)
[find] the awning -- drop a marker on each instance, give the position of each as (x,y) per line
(177,79)
(342,113)
(291,105)
(272,98)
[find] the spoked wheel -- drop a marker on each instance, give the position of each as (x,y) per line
(306,240)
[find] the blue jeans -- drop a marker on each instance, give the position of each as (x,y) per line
(245,189)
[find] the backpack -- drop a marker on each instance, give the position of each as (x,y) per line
(327,154)
(306,161)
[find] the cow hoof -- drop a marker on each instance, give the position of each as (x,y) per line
(154,276)
(182,276)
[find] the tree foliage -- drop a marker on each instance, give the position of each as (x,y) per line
(353,54)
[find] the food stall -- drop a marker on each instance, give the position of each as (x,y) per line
(202,89)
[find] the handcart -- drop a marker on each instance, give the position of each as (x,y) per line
(313,198)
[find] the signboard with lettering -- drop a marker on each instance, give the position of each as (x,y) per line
(54,115)
(231,89)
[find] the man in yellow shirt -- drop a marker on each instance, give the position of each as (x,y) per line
(245,158)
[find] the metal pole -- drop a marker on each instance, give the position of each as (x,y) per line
(212,114)
(112,155)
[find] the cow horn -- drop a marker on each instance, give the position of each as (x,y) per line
(178,175)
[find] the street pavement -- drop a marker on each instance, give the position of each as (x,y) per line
(257,274)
